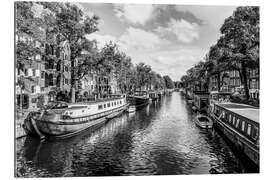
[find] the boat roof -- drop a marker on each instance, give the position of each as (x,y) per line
(244,110)
(220,93)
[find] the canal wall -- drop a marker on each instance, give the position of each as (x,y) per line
(20,132)
(20,116)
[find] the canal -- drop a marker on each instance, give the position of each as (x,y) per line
(158,139)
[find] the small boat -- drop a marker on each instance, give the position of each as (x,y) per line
(62,119)
(203,121)
(194,108)
(131,109)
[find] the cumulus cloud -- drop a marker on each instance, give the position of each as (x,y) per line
(139,39)
(101,39)
(175,62)
(211,15)
(185,31)
(134,13)
(132,39)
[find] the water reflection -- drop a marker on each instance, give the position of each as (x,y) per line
(160,138)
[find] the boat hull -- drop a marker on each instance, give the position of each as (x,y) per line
(138,101)
(68,128)
(241,143)
(204,125)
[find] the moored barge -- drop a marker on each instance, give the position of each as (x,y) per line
(64,120)
(139,99)
(240,124)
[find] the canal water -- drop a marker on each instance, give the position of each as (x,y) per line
(161,139)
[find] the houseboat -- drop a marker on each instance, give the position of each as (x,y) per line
(240,124)
(138,99)
(153,95)
(201,100)
(64,120)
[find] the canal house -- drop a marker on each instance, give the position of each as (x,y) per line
(240,124)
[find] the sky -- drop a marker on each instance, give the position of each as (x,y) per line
(169,38)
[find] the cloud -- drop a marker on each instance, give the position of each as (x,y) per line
(211,15)
(185,31)
(134,13)
(133,39)
(101,39)
(175,62)
(136,38)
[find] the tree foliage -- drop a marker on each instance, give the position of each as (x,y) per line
(237,49)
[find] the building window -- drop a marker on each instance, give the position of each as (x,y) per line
(104,105)
(34,100)
(108,105)
(33,89)
(42,74)
(25,72)
(66,68)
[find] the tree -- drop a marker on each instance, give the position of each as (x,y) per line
(73,25)
(28,31)
(168,82)
(143,75)
(240,36)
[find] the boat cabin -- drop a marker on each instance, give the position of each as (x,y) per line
(89,108)
(242,118)
(216,96)
(201,99)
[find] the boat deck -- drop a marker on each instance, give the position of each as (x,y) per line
(244,110)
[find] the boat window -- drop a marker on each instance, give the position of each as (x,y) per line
(233,120)
(255,133)
(243,125)
(223,114)
(59,106)
(230,118)
(203,119)
(100,106)
(249,129)
(237,123)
